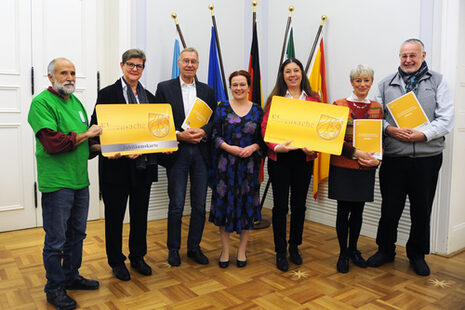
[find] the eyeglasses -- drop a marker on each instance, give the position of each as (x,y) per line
(132,66)
(192,61)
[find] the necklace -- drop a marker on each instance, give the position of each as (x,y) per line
(363,105)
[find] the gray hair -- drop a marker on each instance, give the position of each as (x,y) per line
(133,53)
(361,70)
(188,49)
(51,65)
(414,40)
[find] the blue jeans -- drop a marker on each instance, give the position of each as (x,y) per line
(64,214)
(188,161)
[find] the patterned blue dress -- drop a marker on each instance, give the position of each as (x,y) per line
(234,180)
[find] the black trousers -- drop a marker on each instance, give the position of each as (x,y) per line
(115,197)
(290,171)
(417,178)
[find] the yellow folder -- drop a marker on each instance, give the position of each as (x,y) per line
(368,135)
(407,112)
(317,126)
(136,128)
(198,115)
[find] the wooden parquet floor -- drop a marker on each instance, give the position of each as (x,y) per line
(314,285)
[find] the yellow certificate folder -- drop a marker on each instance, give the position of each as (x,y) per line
(198,115)
(136,128)
(368,135)
(319,127)
(407,112)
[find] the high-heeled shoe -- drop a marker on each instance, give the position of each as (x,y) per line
(241,263)
(223,264)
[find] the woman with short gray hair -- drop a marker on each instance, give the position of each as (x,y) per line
(352,175)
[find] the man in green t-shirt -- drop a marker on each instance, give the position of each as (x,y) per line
(60,125)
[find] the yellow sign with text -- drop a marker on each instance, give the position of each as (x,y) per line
(368,136)
(407,112)
(136,128)
(198,115)
(319,127)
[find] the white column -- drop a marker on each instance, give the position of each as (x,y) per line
(448,219)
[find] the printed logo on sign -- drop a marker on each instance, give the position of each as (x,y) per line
(159,124)
(329,127)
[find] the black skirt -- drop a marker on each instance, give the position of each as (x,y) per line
(351,184)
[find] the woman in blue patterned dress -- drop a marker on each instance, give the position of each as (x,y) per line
(234,177)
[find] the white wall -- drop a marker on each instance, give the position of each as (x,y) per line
(195,20)
(360,31)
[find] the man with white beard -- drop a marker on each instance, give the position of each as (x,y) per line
(60,125)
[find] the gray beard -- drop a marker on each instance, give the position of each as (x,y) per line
(62,90)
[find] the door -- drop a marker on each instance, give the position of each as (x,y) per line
(34,32)
(17,210)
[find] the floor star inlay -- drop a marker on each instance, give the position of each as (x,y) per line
(299,274)
(437,283)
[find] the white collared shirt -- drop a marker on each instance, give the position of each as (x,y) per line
(303,95)
(125,91)
(189,93)
(354,98)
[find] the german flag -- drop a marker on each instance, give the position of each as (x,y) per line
(255,92)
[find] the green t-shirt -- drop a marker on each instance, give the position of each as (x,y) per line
(60,170)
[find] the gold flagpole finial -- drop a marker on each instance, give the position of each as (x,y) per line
(174,16)
(211,7)
(323,19)
(291,9)
(254,4)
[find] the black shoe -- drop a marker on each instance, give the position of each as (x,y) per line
(379,259)
(357,259)
(241,263)
(343,264)
(81,283)
(173,258)
(141,267)
(121,272)
(294,255)
(60,300)
(420,266)
(223,264)
(198,256)
(281,262)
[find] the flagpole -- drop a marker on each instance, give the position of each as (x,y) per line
(315,42)
(220,57)
(254,18)
(289,18)
(264,223)
(178,28)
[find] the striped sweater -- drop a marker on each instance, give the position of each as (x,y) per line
(374,111)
